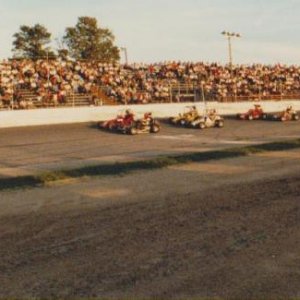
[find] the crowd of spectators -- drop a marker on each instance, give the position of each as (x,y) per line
(218,82)
(50,81)
(53,80)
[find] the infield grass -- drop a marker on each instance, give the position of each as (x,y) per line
(154,163)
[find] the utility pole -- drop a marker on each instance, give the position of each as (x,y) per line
(125,53)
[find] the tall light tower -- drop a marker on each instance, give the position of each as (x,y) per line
(230,35)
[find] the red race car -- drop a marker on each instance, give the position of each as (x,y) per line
(126,123)
(255,113)
(122,123)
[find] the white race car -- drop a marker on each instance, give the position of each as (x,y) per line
(209,119)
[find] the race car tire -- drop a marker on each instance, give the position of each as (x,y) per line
(100,125)
(172,120)
(295,117)
(220,124)
(155,128)
(132,131)
(193,124)
(110,126)
(250,117)
(201,125)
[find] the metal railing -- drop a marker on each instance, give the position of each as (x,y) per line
(182,92)
(35,102)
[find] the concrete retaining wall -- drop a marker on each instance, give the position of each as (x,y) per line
(34,117)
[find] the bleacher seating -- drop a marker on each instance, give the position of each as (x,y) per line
(54,83)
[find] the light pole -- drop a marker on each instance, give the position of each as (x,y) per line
(13,93)
(48,73)
(125,52)
(229,35)
(48,69)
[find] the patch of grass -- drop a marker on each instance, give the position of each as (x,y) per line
(155,163)
(51,176)
(19,182)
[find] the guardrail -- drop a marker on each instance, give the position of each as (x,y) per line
(33,117)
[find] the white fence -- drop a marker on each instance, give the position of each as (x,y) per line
(35,117)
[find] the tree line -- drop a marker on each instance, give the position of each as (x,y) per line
(85,41)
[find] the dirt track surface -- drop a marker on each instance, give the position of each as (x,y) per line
(229,228)
(36,149)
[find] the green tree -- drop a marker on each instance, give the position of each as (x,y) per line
(88,41)
(30,42)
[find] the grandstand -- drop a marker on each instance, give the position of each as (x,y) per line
(28,84)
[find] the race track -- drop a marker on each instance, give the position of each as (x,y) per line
(225,228)
(32,149)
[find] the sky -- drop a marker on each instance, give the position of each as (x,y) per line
(167,30)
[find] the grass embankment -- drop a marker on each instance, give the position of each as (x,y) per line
(155,163)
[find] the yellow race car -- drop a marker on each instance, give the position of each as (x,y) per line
(187,117)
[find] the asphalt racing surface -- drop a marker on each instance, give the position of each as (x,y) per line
(34,149)
(225,229)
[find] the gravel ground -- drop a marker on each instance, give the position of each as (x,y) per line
(229,228)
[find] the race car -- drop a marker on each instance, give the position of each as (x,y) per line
(255,113)
(127,124)
(147,124)
(190,114)
(287,115)
(122,123)
(209,119)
